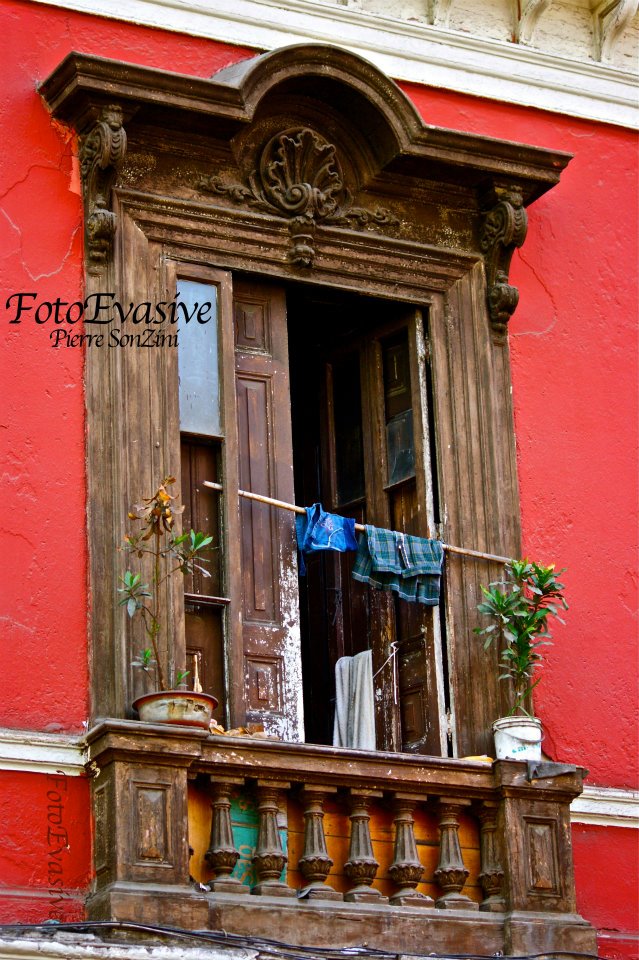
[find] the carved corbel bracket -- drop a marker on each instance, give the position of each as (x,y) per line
(102,150)
(438,13)
(610,19)
(503,228)
(299,176)
(527,17)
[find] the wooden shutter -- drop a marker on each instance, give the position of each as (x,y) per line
(270,610)
(412,691)
(420,658)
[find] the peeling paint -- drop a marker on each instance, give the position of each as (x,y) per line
(292,725)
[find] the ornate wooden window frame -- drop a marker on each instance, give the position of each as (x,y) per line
(304,164)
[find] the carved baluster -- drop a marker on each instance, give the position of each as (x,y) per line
(406,871)
(361,865)
(451,873)
(269,858)
(222,854)
(315,864)
(492,874)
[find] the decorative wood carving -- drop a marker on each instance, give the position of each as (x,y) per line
(315,864)
(504,228)
(541,849)
(406,871)
(152,817)
(433,177)
(533,821)
(361,866)
(451,874)
(102,150)
(302,233)
(269,858)
(222,854)
(492,874)
(299,176)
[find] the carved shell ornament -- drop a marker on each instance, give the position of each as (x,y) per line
(299,176)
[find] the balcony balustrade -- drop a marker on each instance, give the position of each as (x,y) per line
(313,845)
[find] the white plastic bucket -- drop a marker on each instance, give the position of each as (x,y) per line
(517,738)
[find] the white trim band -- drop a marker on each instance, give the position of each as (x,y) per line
(60,945)
(33,752)
(404,50)
(606,807)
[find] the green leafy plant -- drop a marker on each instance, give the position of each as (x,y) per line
(171,556)
(520,607)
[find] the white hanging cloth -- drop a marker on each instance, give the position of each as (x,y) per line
(354,725)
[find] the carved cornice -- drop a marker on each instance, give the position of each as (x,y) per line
(503,228)
(102,150)
(299,176)
(305,173)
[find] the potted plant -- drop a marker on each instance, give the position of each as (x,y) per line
(520,607)
(171,556)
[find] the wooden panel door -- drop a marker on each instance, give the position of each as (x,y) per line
(400,486)
(270,609)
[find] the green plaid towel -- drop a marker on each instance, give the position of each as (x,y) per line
(411,566)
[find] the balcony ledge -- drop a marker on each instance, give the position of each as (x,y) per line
(313,763)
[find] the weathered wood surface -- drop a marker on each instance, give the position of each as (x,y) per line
(403,219)
(366,832)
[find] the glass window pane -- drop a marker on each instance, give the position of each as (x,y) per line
(400,441)
(198,360)
(400,447)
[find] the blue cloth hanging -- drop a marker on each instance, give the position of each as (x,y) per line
(317,530)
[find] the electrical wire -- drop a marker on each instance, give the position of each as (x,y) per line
(279,948)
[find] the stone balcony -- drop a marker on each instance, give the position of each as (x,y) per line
(312,845)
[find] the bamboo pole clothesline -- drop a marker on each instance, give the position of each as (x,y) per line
(358,526)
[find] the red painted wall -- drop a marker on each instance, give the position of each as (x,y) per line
(573,343)
(574,354)
(45,855)
(607,886)
(44,601)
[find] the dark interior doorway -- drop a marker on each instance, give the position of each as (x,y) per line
(354,392)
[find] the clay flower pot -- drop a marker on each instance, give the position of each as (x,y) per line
(184,707)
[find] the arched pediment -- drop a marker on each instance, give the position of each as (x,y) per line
(302,147)
(369,104)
